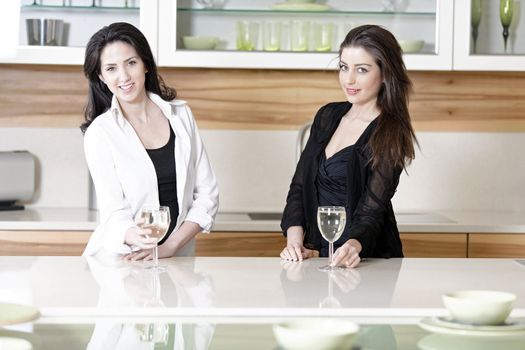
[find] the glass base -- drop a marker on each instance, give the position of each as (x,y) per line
(158,268)
(331,268)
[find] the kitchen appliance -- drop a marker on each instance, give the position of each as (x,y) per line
(45,31)
(17,178)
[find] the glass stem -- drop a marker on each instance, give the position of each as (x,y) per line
(156,256)
(330,253)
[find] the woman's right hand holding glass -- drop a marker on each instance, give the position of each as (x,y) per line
(140,237)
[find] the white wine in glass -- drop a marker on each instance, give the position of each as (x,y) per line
(157,219)
(331,222)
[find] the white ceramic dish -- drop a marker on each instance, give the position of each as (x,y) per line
(411,46)
(289,6)
(200,42)
(517,324)
(450,342)
(479,307)
(433,325)
(318,334)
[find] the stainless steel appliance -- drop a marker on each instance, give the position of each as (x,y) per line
(17,178)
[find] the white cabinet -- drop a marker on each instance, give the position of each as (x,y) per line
(489,53)
(427,20)
(81,20)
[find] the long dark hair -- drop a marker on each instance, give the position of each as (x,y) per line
(393,139)
(99,96)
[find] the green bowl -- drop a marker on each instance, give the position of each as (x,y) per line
(200,42)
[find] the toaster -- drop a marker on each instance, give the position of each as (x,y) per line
(17,178)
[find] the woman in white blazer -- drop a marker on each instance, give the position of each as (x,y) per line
(142,147)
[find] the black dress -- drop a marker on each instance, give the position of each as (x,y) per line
(164,162)
(331,188)
(368,190)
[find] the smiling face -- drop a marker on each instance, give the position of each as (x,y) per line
(359,75)
(123,71)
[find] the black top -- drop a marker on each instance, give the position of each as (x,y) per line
(164,162)
(368,191)
(331,188)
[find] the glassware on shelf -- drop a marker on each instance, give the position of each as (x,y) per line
(323,36)
(475,19)
(272,31)
(247,35)
(300,35)
(506,8)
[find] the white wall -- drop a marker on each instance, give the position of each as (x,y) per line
(453,170)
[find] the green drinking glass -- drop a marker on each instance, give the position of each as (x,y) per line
(506,7)
(475,19)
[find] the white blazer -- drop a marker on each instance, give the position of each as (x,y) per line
(125,178)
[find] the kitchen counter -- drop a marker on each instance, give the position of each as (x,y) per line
(232,303)
(263,287)
(80,219)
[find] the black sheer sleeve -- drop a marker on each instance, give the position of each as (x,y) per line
(369,216)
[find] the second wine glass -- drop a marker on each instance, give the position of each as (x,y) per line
(157,219)
(331,222)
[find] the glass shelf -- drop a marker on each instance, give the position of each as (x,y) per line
(73,7)
(286,12)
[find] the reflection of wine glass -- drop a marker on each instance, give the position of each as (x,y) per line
(157,219)
(156,333)
(330,301)
(331,222)
(506,8)
(475,19)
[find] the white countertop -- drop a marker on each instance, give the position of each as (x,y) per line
(263,287)
(81,219)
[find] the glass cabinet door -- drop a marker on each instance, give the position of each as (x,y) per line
(489,35)
(57,31)
(287,34)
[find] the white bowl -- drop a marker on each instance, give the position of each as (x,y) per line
(301,1)
(200,42)
(481,307)
(319,334)
(410,46)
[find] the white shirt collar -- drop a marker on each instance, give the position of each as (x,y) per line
(167,108)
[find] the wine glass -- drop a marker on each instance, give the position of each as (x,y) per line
(475,19)
(157,219)
(331,222)
(506,8)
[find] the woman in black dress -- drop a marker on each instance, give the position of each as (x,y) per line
(355,154)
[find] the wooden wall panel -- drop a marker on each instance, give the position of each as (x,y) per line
(496,245)
(43,242)
(434,245)
(44,95)
(266,244)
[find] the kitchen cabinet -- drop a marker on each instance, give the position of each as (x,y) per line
(434,245)
(81,20)
(14,242)
(496,245)
(428,20)
(488,51)
(268,244)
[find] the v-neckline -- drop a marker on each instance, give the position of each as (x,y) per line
(353,144)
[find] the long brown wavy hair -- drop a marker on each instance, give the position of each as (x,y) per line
(99,96)
(394,138)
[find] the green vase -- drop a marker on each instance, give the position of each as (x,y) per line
(506,7)
(475,19)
